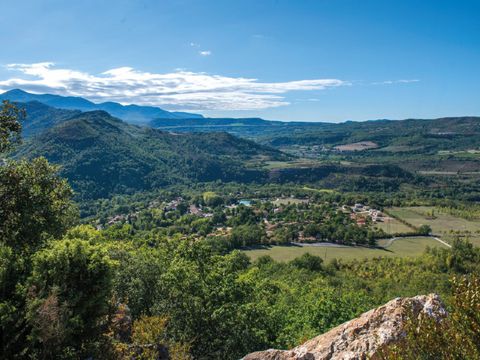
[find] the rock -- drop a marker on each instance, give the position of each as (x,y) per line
(360,338)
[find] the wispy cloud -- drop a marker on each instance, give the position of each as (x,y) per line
(179,89)
(401,81)
(200,52)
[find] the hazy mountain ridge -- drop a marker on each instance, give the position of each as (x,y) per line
(131,113)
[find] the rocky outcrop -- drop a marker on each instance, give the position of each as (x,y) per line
(362,337)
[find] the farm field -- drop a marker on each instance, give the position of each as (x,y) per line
(288,164)
(411,246)
(442,224)
(393,226)
(358,146)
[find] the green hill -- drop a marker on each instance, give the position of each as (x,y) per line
(412,134)
(40,117)
(102,155)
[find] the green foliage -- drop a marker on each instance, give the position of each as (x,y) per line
(34,207)
(463,258)
(308,262)
(246,235)
(455,337)
(10,127)
(200,294)
(34,204)
(212,199)
(69,289)
(424,230)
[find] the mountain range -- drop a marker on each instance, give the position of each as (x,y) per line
(102,155)
(134,114)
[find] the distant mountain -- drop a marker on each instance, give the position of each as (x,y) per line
(415,135)
(411,135)
(41,117)
(131,113)
(205,122)
(253,128)
(102,155)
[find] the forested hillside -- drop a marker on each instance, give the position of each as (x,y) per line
(102,155)
(40,117)
(410,135)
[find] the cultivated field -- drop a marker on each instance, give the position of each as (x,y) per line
(358,146)
(412,246)
(393,226)
(442,224)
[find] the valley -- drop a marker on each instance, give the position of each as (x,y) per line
(276,230)
(225,180)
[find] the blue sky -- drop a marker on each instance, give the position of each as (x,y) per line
(323,60)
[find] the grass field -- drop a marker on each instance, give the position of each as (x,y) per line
(442,224)
(393,226)
(412,246)
(329,191)
(270,165)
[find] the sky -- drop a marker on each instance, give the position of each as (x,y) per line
(295,60)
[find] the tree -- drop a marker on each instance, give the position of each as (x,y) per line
(70,287)
(35,203)
(10,127)
(246,235)
(425,230)
(308,262)
(207,304)
(34,206)
(212,199)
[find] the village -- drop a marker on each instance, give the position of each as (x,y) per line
(281,219)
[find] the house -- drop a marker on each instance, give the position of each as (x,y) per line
(172,205)
(358,207)
(194,210)
(361,221)
(346,209)
(116,219)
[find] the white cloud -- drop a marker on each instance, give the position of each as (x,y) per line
(401,81)
(205,52)
(179,89)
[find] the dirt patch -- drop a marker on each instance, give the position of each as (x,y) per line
(358,146)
